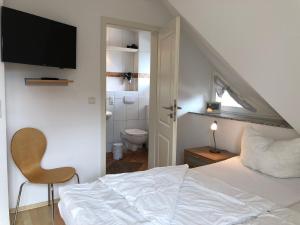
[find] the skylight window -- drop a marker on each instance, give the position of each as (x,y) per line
(227,100)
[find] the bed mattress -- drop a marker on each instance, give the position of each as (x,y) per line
(284,192)
(222,193)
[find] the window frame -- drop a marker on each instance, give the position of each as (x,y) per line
(238,111)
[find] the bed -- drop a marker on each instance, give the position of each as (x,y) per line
(224,193)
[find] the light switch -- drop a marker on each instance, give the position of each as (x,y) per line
(92,100)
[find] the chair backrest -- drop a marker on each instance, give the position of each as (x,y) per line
(27,148)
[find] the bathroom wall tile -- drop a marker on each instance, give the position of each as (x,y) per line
(132,124)
(118,127)
(144,41)
(119,110)
(109,147)
(129,37)
(110,131)
(114,36)
(132,94)
(143,124)
(136,63)
(144,87)
(132,110)
(144,62)
(110,94)
(115,84)
(120,94)
(143,102)
(128,62)
(136,124)
(114,61)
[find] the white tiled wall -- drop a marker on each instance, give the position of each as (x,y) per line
(125,116)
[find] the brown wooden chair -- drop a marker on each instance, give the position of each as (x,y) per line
(27,148)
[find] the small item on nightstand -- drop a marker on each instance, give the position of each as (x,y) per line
(213,107)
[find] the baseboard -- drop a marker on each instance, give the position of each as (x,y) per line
(32,206)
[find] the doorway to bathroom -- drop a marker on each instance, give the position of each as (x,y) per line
(128,63)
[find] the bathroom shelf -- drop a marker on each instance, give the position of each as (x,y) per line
(33,81)
(121,49)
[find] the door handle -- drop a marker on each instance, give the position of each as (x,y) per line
(171,108)
(168,108)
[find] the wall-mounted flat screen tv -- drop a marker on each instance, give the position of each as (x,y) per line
(34,40)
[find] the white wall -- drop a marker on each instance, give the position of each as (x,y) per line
(3,151)
(228,135)
(194,91)
(259,40)
(71,125)
(194,87)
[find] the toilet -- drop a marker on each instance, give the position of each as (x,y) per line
(133,139)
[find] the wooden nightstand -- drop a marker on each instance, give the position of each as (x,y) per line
(202,156)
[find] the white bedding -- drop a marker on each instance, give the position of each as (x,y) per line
(163,196)
(284,192)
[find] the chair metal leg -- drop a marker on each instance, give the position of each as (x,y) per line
(78,180)
(52,203)
(18,201)
(49,197)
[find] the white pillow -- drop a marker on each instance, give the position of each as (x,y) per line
(276,158)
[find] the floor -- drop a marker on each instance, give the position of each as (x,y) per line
(39,216)
(126,164)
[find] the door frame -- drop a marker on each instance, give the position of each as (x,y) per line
(4,203)
(106,21)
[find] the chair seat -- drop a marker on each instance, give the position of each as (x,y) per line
(52,176)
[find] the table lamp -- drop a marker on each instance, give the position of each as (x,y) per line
(214,127)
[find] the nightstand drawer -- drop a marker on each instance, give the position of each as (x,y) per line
(195,161)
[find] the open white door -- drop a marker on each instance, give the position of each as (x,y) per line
(167,92)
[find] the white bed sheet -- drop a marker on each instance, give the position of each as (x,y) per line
(284,192)
(65,214)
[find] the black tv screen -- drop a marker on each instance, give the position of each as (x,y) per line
(34,40)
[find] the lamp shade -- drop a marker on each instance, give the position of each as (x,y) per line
(214,126)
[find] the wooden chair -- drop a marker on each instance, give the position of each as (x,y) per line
(27,148)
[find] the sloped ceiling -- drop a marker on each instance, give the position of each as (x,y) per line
(255,44)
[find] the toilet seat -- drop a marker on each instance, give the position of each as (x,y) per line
(136,132)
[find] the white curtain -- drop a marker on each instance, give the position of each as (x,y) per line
(221,87)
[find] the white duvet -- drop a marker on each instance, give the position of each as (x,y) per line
(168,196)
